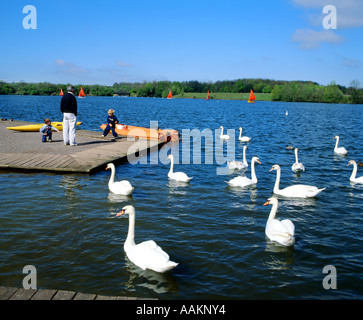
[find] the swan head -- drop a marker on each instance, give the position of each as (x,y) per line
(110,166)
(351,162)
(169,157)
(256,159)
(336,137)
(272,201)
(244,147)
(275,167)
(126,210)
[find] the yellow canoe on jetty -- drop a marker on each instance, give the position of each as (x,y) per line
(36,127)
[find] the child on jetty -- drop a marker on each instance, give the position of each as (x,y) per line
(46,130)
(111,124)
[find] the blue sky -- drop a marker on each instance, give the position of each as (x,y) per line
(103,42)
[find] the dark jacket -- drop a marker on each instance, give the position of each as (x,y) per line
(112,120)
(69,104)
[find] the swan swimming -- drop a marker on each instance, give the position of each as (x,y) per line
(238,164)
(123,187)
(295,191)
(244,138)
(224,136)
(147,254)
(280,231)
(244,181)
(297,166)
(178,176)
(340,150)
(354,173)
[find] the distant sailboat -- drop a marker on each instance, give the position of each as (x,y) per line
(81,93)
(252,97)
(170,96)
(207,96)
(61,92)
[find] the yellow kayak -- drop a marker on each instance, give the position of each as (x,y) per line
(36,127)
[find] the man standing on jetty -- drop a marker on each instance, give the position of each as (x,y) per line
(69,109)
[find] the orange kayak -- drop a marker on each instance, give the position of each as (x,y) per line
(165,135)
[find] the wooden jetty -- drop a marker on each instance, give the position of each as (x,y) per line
(25,151)
(11,293)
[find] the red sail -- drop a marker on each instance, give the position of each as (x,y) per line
(170,95)
(61,92)
(252,96)
(81,93)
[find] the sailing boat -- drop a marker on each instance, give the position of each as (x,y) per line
(61,92)
(207,96)
(170,96)
(81,93)
(252,97)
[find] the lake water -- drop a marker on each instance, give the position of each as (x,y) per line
(65,225)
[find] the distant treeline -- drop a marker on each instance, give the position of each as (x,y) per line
(290,91)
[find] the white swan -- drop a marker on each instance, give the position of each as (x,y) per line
(120,187)
(297,166)
(224,136)
(238,164)
(354,173)
(178,176)
(147,254)
(295,191)
(244,181)
(340,150)
(280,231)
(244,138)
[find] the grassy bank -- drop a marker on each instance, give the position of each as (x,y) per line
(224,96)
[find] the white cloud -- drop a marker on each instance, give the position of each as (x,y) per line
(310,39)
(123,64)
(351,63)
(70,68)
(349,12)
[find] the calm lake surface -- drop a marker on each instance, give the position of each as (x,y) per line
(65,225)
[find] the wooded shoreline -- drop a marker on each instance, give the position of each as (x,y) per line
(264,89)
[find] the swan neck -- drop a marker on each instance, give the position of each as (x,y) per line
(296,156)
(336,144)
(240,132)
(354,172)
(130,240)
(112,178)
(277,182)
(221,132)
(244,156)
(272,212)
(171,165)
(253,172)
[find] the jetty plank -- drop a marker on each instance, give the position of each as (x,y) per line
(11,293)
(23,294)
(84,296)
(7,292)
(25,151)
(64,295)
(44,294)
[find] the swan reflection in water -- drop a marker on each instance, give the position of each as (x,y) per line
(178,187)
(120,198)
(280,257)
(155,281)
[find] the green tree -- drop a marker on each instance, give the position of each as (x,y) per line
(332,94)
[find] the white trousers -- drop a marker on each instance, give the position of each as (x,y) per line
(69,128)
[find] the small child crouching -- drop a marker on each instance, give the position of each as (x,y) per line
(46,130)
